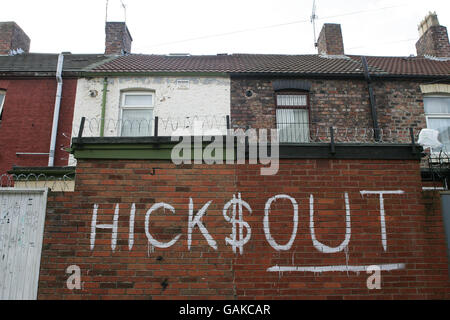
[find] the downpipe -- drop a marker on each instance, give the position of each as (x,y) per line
(59,80)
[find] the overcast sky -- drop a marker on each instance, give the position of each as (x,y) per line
(370,27)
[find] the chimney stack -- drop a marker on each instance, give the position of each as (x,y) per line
(433,38)
(118,38)
(330,40)
(13,39)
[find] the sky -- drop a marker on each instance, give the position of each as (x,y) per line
(369,27)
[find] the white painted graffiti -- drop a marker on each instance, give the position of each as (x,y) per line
(382,212)
(238,242)
(348,230)
(150,238)
(269,238)
(237,239)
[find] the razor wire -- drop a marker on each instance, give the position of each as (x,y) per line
(361,135)
(33,181)
(312,132)
(144,127)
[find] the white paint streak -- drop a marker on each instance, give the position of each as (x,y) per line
(151,240)
(93,226)
(131,233)
(382,212)
(348,230)
(112,226)
(197,221)
(269,237)
(356,269)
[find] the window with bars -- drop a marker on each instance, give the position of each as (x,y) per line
(293,117)
(137,114)
(437,111)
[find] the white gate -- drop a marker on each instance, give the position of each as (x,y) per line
(22,217)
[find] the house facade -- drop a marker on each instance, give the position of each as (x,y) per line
(385,94)
(123,94)
(29,98)
(346,200)
(133,102)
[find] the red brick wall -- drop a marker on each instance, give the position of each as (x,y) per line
(415,235)
(27,121)
(343,104)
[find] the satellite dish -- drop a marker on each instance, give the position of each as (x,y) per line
(429,138)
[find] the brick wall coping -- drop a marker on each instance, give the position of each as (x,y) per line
(54,171)
(160,148)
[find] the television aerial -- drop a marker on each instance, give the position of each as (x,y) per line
(314,17)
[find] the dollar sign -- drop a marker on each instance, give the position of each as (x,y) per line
(237,240)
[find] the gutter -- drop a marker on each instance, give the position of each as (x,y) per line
(59,80)
(373,107)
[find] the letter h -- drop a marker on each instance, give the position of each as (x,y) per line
(112,226)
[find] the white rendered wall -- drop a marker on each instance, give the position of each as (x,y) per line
(205,97)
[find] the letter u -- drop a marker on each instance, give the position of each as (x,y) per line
(348,231)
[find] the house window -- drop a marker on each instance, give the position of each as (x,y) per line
(293,117)
(437,110)
(137,114)
(2,100)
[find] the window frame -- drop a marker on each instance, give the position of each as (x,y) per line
(292,93)
(123,106)
(295,92)
(429,116)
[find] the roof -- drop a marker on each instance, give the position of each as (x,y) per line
(236,63)
(46,62)
(257,64)
(410,65)
(277,64)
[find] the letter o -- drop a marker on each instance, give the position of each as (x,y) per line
(269,237)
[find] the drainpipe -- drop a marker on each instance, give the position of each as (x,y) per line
(105,91)
(59,80)
(373,106)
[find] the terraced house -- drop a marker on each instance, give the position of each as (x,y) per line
(350,194)
(37,98)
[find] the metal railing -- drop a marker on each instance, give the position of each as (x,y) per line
(322,133)
(158,126)
(292,132)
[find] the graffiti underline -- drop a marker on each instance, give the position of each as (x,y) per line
(344,268)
